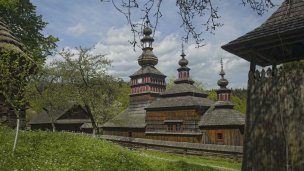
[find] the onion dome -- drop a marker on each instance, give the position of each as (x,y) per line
(147,57)
(222,82)
(183,62)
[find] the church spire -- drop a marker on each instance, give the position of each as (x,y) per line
(223,93)
(183,71)
(147,57)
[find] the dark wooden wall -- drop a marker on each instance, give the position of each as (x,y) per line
(274,133)
(155,120)
(125,132)
(230,136)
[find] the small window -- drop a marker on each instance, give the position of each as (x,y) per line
(129,134)
(174,127)
(219,136)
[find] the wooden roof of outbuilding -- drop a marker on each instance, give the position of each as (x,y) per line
(44,118)
(279,39)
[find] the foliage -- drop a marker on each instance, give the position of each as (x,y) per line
(67,151)
(26,25)
(123,96)
(83,77)
(198,84)
(240,104)
(193,13)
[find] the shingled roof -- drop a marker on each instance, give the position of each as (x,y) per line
(132,117)
(147,70)
(44,118)
(278,40)
(221,117)
(184,89)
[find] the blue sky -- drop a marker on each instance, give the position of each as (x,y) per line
(90,23)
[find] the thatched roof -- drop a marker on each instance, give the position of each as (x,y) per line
(132,117)
(279,39)
(7,40)
(58,116)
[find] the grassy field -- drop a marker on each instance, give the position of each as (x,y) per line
(67,151)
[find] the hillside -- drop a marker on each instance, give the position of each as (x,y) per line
(67,151)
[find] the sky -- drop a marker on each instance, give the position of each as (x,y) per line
(98,25)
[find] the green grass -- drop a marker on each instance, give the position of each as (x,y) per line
(194,159)
(67,151)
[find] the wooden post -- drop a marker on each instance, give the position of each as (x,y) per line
(246,164)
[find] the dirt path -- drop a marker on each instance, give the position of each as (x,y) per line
(213,166)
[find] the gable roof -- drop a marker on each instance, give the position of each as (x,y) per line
(44,118)
(264,45)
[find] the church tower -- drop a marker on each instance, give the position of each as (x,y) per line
(147,83)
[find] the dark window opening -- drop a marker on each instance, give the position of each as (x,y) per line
(219,136)
(129,134)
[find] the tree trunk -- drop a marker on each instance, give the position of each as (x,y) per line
(89,112)
(52,119)
(17,129)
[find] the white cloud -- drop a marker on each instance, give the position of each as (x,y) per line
(77,29)
(204,62)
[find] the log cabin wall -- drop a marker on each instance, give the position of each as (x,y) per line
(156,120)
(223,136)
(125,132)
(180,126)
(176,138)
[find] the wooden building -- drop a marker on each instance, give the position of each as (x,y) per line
(9,42)
(221,124)
(146,85)
(274,132)
(176,114)
(182,113)
(74,118)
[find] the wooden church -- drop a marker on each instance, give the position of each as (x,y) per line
(182,113)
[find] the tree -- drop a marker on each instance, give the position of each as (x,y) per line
(45,94)
(15,68)
(85,81)
(26,25)
(191,11)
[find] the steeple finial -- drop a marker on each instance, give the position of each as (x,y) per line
(222,73)
(222,82)
(183,62)
(147,57)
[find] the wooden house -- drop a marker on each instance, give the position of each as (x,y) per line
(274,132)
(74,118)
